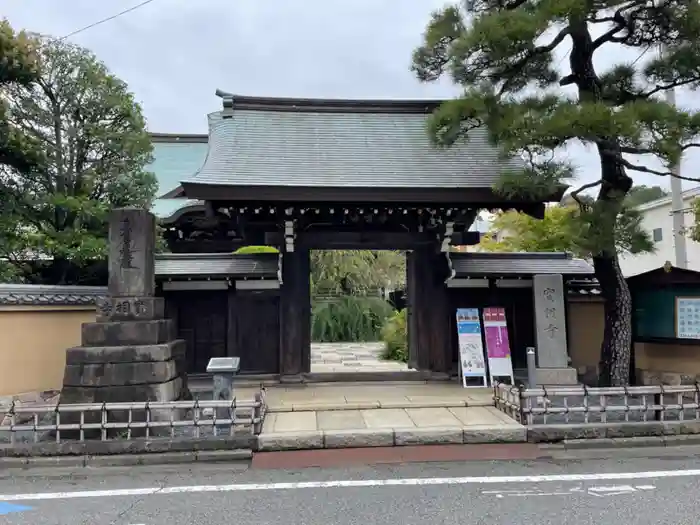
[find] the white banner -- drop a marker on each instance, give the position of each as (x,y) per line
(471,348)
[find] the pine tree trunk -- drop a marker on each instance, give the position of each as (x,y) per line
(616,350)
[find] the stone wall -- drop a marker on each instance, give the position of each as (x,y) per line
(37,324)
(667,364)
(586,322)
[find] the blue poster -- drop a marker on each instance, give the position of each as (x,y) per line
(471,348)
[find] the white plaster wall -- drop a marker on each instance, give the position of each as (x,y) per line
(658,215)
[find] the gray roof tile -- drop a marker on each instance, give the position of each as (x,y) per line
(50,295)
(518,263)
(175,265)
(281,147)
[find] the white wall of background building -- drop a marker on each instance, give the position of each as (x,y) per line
(658,222)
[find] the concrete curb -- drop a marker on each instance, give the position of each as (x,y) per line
(127,460)
(630,442)
(124,447)
(390,437)
(373,405)
(597,431)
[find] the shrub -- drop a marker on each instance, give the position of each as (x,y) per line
(349,319)
(256,249)
(395,337)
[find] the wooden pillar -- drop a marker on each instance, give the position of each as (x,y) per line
(295,316)
(410,311)
(431,308)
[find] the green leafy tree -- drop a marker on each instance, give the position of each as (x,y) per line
(18,66)
(642,194)
(95,148)
(561,230)
(356,271)
(694,230)
(501,53)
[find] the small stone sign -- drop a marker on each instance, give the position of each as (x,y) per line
(550,321)
(132,240)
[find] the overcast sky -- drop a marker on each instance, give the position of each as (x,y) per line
(175,53)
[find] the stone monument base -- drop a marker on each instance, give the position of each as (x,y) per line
(131,353)
(112,367)
(557,376)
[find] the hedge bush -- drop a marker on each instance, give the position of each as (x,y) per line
(256,249)
(349,319)
(395,337)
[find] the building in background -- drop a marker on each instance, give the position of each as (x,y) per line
(657,220)
(175,157)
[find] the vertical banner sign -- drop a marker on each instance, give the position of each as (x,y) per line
(471,349)
(497,344)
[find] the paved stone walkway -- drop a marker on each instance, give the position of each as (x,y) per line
(367,396)
(388,427)
(386,418)
(316,416)
(352,357)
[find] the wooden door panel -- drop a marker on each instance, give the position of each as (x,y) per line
(257,331)
(202,323)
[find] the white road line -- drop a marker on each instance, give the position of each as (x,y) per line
(361,483)
(612,488)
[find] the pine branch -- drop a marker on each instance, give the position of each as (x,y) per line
(644,169)
(575,194)
(672,85)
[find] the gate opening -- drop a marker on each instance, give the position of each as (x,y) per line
(359,314)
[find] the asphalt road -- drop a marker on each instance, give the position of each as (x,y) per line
(643,491)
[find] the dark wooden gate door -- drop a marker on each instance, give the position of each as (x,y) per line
(202,323)
(257,339)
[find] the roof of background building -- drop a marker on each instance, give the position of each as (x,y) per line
(691,193)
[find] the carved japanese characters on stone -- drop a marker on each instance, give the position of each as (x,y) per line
(551,330)
(132,235)
(126,254)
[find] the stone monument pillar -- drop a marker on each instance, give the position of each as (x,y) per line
(132,352)
(550,332)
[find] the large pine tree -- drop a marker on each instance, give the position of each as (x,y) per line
(501,52)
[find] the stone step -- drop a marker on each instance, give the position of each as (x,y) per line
(167,391)
(126,354)
(120,374)
(128,333)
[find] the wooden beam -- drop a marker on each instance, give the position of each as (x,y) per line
(363,240)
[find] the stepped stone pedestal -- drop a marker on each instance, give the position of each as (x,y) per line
(131,353)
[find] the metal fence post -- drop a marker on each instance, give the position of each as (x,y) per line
(258,414)
(531,367)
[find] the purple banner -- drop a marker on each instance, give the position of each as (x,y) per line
(496,333)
